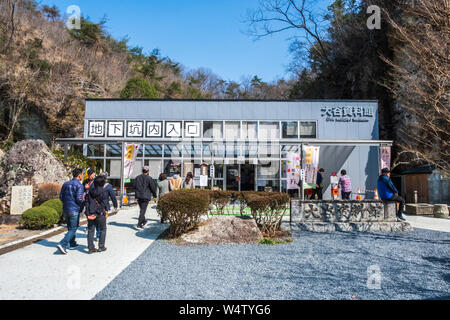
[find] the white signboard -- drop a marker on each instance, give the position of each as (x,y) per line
(173,129)
(154,129)
(135,129)
(203,181)
(192,129)
(115,128)
(293,170)
(21,199)
(96,129)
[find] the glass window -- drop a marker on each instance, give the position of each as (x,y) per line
(269,130)
(153,150)
(249,130)
(173,150)
(218,171)
(192,150)
(96,150)
(268,185)
(268,150)
(308,130)
(114,150)
(214,149)
(285,149)
(290,130)
(140,153)
(232,150)
(268,170)
(113,168)
(172,167)
(232,130)
(213,129)
(155,168)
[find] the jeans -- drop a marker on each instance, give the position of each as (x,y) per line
(400,200)
(143,204)
(100,222)
(73,222)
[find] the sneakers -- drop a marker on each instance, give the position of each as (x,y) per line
(140,227)
(73,247)
(101,249)
(61,249)
(401,217)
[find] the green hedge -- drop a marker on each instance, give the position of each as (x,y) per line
(38,218)
(183,208)
(57,205)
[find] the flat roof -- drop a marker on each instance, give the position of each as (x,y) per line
(233,100)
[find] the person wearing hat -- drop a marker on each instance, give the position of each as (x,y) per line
(145,191)
(388,192)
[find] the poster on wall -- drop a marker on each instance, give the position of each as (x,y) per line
(293,170)
(385,158)
(130,159)
(311,163)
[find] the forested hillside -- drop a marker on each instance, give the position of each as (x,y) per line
(46,71)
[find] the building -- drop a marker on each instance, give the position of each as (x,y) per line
(245,141)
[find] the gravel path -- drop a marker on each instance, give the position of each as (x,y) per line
(413,265)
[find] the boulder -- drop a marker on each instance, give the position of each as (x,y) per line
(28,162)
(224,230)
(440,211)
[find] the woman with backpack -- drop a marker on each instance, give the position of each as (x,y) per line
(96,212)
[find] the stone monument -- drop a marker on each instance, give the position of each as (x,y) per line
(21,199)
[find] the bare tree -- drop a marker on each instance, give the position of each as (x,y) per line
(9,9)
(421,83)
(274,16)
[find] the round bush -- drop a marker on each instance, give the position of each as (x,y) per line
(57,205)
(39,218)
(183,209)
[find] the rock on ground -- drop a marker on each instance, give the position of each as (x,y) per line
(28,162)
(224,230)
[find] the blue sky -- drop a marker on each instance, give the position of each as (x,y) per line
(196,33)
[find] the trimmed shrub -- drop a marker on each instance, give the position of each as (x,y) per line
(268,209)
(219,199)
(57,205)
(183,209)
(39,218)
(47,191)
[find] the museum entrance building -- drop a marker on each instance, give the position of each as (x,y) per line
(245,143)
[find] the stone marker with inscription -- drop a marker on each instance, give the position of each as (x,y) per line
(21,199)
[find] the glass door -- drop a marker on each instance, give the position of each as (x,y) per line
(247,177)
(233,177)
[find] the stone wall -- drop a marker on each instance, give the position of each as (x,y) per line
(362,216)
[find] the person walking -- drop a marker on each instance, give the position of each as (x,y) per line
(189,183)
(96,211)
(72,198)
(345,184)
(111,196)
(163,188)
(89,181)
(145,191)
(388,192)
(175,182)
(319,185)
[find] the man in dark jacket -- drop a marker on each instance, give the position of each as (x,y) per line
(145,191)
(388,192)
(72,198)
(96,204)
(111,195)
(319,185)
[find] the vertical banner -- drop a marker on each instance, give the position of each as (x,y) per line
(385,158)
(131,151)
(311,164)
(293,171)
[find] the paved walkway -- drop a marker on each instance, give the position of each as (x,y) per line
(39,271)
(429,223)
